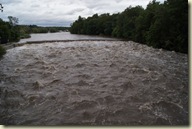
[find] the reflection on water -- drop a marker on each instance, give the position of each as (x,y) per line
(93,83)
(62,36)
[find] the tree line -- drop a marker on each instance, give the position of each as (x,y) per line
(160,25)
(26,30)
(12,32)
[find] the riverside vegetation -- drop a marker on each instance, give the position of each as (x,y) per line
(160,25)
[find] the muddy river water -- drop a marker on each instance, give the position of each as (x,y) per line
(93,83)
(62,36)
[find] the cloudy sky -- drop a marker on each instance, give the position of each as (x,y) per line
(62,12)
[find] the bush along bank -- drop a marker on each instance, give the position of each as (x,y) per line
(2,51)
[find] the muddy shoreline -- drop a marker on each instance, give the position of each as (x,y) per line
(93,83)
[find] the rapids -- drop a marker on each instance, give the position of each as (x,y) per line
(93,83)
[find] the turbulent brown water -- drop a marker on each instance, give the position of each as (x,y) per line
(93,83)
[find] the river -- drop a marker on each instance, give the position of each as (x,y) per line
(62,36)
(93,83)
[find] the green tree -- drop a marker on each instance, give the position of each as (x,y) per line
(126,23)
(178,28)
(156,33)
(169,26)
(14,29)
(4,32)
(13,21)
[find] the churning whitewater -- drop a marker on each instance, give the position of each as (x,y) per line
(93,83)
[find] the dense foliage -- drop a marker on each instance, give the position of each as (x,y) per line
(8,32)
(159,25)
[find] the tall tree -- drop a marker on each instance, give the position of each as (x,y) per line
(13,21)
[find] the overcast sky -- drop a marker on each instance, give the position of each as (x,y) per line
(62,12)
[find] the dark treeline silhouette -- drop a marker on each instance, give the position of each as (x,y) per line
(159,25)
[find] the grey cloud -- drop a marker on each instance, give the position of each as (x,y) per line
(35,6)
(97,5)
(51,22)
(58,12)
(10,1)
(118,1)
(75,11)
